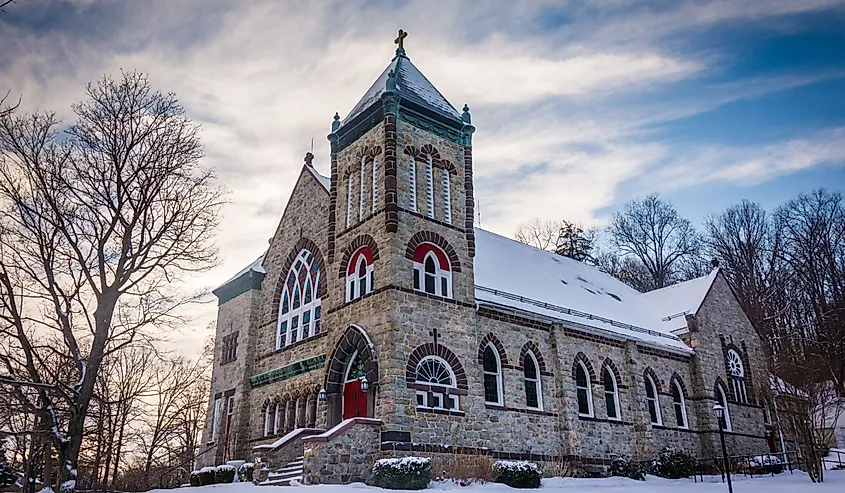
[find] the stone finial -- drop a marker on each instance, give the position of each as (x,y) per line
(391,81)
(466,117)
(309,158)
(336,123)
(714,263)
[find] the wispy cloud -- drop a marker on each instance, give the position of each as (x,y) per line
(565,111)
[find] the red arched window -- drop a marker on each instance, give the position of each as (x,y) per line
(432,273)
(359,274)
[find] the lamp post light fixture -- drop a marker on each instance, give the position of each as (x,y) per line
(321,396)
(719,410)
(365,385)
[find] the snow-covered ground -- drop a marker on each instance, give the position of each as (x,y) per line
(782,483)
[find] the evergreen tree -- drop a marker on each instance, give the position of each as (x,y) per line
(574,242)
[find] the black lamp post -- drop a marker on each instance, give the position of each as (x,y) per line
(365,385)
(321,396)
(719,410)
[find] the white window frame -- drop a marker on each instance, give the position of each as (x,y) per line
(767,414)
(736,369)
(615,393)
(683,403)
(720,392)
(362,194)
(375,184)
(588,390)
(429,186)
(267,420)
(349,202)
(447,197)
(215,417)
(537,382)
(655,400)
(277,418)
(353,281)
(439,275)
(299,312)
(497,374)
(412,183)
(444,397)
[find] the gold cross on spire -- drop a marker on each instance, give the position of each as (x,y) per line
(400,40)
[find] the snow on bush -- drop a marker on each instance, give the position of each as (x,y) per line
(406,473)
(517,473)
(673,465)
(245,472)
(625,467)
(206,476)
(224,474)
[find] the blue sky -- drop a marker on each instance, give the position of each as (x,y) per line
(580,106)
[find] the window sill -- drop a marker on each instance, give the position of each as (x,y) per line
(528,410)
(602,420)
(300,342)
(441,411)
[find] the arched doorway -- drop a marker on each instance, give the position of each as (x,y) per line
(352,360)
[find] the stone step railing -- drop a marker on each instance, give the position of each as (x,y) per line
(343,454)
(283,450)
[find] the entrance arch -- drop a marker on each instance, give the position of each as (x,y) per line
(353,357)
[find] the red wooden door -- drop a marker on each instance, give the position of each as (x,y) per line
(354,400)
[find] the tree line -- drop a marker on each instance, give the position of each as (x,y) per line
(786,268)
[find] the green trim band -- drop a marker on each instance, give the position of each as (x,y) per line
(288,371)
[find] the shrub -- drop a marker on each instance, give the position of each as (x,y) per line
(224,474)
(673,465)
(245,472)
(517,474)
(407,473)
(464,470)
(194,478)
(627,468)
(206,476)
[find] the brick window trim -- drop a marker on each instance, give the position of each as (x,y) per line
(230,348)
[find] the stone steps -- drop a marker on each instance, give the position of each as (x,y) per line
(292,471)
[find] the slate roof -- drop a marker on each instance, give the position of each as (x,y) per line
(411,85)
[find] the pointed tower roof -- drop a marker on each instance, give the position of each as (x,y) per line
(406,80)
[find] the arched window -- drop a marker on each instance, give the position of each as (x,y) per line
(267,418)
(349,201)
(429,186)
(652,401)
(611,394)
(359,274)
(375,184)
(582,389)
(436,373)
(277,419)
(362,192)
(492,376)
(737,371)
(723,401)
(680,404)
(300,310)
(447,197)
(412,183)
(533,387)
(432,273)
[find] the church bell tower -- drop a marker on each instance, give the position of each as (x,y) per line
(401,178)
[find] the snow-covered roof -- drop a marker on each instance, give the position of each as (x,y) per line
(323,180)
(411,85)
(519,276)
(672,303)
(256,266)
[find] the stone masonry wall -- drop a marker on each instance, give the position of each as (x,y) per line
(345,458)
(721,318)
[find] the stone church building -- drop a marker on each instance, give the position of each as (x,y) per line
(381,322)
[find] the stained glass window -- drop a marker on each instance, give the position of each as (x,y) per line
(300,301)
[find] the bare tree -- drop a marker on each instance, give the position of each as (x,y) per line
(657,238)
(748,245)
(97,226)
(538,233)
(562,237)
